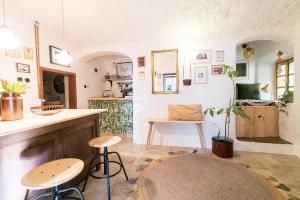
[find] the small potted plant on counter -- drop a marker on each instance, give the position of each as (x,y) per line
(11,102)
(222,146)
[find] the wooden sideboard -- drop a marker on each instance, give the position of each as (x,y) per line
(20,152)
(264,122)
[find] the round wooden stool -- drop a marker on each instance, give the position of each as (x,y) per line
(99,142)
(52,175)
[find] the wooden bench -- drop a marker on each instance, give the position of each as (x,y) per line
(197,123)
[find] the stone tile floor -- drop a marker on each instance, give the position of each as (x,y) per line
(282,171)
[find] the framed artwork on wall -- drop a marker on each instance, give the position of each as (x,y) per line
(242,68)
(14,53)
(202,56)
(52,52)
(200,74)
(28,53)
(217,69)
(141,75)
(23,68)
(219,56)
(141,61)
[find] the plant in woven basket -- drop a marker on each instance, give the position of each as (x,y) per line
(232,108)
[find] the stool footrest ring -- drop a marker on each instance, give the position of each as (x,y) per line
(105,176)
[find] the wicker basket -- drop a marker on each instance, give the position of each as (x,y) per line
(46,110)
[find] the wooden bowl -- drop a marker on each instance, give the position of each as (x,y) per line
(46,110)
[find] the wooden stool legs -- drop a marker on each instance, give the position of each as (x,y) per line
(57,194)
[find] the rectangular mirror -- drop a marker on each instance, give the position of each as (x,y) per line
(165,71)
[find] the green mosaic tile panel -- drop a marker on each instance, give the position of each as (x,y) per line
(119,118)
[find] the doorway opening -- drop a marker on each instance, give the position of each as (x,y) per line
(58,87)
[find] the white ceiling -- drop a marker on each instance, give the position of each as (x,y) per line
(98,22)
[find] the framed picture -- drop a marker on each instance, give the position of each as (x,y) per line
(141,75)
(141,61)
(124,69)
(53,51)
(217,69)
(202,56)
(242,69)
(23,68)
(219,56)
(28,53)
(14,53)
(200,74)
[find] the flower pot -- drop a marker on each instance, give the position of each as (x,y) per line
(11,105)
(222,148)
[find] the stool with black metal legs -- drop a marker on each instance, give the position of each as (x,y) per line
(52,175)
(99,142)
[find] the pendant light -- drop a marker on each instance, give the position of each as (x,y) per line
(63,56)
(248,52)
(7,38)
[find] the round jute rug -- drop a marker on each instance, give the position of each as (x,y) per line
(198,177)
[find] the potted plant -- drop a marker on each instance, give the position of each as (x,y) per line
(11,102)
(222,146)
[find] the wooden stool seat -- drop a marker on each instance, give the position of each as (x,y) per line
(104,141)
(52,174)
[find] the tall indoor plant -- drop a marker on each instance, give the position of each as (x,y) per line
(11,102)
(222,146)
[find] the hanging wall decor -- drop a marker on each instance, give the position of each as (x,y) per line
(202,56)
(14,53)
(28,53)
(23,68)
(141,61)
(217,69)
(54,51)
(187,81)
(219,56)
(201,75)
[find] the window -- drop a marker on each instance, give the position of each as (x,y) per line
(169,82)
(285,73)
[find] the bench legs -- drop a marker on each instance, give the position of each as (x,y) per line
(149,134)
(201,136)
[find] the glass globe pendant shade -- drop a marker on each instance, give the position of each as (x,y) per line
(63,57)
(8,40)
(249,52)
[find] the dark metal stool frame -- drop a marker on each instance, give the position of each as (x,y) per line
(56,194)
(106,174)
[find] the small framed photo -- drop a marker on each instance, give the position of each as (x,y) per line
(217,69)
(141,61)
(219,56)
(14,53)
(53,51)
(141,75)
(242,68)
(202,56)
(28,53)
(23,68)
(200,75)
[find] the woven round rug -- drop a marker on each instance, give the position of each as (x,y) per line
(198,177)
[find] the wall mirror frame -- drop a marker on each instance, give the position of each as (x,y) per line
(171,77)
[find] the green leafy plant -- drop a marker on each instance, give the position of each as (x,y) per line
(231,109)
(282,102)
(16,87)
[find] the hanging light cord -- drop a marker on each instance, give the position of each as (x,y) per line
(63,23)
(3,5)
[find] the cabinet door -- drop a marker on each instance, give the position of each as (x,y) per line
(246,128)
(272,119)
(259,121)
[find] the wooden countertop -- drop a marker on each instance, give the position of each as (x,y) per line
(110,99)
(32,121)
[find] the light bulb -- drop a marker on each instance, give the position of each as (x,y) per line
(63,57)
(8,40)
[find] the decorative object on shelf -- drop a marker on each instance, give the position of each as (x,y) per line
(266,88)
(202,56)
(14,53)
(28,53)
(11,103)
(7,39)
(248,52)
(63,57)
(54,51)
(219,56)
(223,146)
(141,61)
(279,54)
(242,69)
(201,75)
(23,68)
(46,110)
(107,76)
(217,69)
(142,75)
(187,81)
